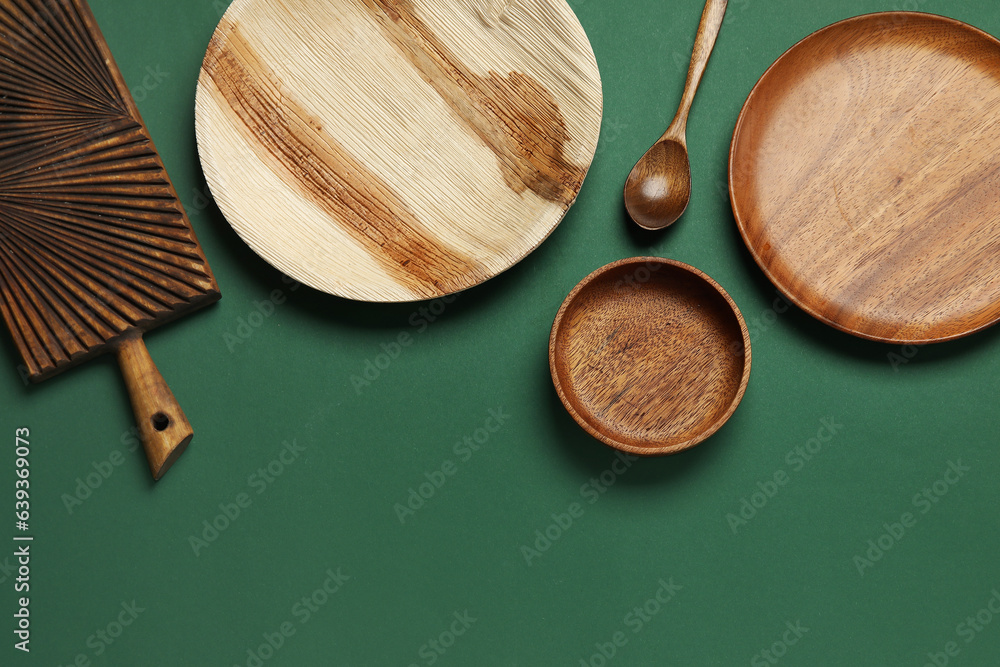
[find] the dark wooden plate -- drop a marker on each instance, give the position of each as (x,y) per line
(649,355)
(865,176)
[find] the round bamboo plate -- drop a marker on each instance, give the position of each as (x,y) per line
(649,355)
(396,150)
(865,176)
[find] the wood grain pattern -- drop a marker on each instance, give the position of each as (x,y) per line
(649,355)
(394,150)
(95,247)
(865,176)
(163,428)
(658,188)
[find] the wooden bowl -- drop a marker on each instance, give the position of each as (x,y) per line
(397,150)
(864,173)
(649,355)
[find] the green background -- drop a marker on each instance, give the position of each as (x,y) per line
(364,448)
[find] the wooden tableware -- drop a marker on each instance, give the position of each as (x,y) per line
(649,355)
(95,248)
(864,174)
(658,188)
(396,150)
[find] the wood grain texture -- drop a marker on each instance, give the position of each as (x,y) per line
(95,247)
(658,189)
(395,150)
(649,355)
(865,176)
(163,428)
(708,31)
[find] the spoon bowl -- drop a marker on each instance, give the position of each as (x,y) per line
(659,187)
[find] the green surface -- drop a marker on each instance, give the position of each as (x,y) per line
(361,450)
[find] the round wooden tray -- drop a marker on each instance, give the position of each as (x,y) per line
(395,150)
(649,355)
(865,176)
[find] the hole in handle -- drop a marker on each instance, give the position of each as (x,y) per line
(161,422)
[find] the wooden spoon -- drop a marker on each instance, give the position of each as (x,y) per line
(659,186)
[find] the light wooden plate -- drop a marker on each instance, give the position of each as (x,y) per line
(649,355)
(396,150)
(865,176)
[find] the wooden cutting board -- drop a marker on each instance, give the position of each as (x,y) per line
(95,247)
(395,150)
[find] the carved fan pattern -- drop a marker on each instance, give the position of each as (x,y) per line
(93,239)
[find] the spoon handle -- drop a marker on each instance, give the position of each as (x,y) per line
(704,41)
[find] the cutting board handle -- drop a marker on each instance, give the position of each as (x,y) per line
(163,428)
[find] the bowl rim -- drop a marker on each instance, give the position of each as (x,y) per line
(585,423)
